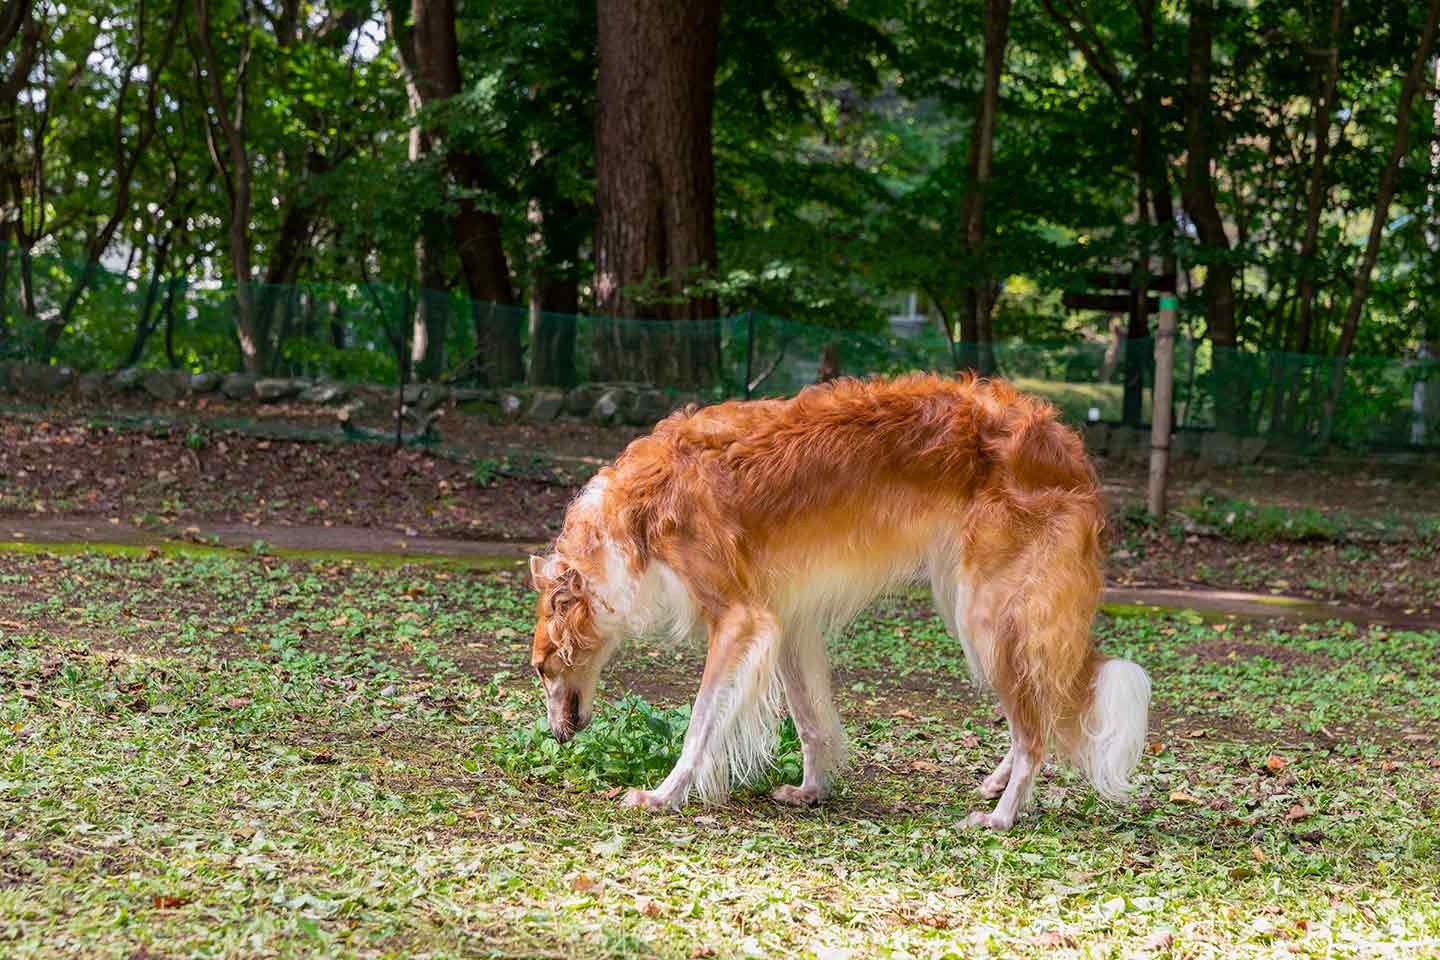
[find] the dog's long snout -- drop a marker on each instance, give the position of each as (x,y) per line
(571,721)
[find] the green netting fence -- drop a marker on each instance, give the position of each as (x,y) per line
(359,333)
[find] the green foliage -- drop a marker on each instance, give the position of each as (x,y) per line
(842,133)
(483,471)
(628,743)
(1247,521)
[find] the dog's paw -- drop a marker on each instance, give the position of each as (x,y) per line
(992,786)
(797,796)
(989,821)
(647,800)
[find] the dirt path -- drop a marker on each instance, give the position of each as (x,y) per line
(300,541)
(367,543)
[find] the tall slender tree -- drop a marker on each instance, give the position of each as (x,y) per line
(977,340)
(1204,209)
(474,223)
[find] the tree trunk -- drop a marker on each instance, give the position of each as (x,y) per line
(1428,427)
(476,230)
(980,296)
(555,295)
(432,301)
(144,324)
(17,22)
(1414,77)
(1321,110)
(230,114)
(655,186)
(1199,196)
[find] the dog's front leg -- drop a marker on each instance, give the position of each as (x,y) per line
(738,674)
(805,672)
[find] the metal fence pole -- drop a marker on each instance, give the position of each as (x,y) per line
(749,348)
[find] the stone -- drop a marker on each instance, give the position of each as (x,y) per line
(545,405)
(1184,445)
(610,406)
(41,378)
(272,389)
(238,386)
(424,397)
(580,401)
(205,382)
(325,393)
(92,385)
(646,407)
(163,385)
(512,405)
(1251,449)
(1220,449)
(128,379)
(686,400)
(1097,438)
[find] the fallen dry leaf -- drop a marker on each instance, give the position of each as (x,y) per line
(1275,763)
(1297,812)
(651,908)
(235,703)
(1258,854)
(902,712)
(1160,942)
(1180,796)
(169,903)
(584,883)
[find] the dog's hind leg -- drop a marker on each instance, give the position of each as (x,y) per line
(805,673)
(733,722)
(1024,760)
(994,784)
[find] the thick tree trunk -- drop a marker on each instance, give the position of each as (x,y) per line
(555,295)
(476,230)
(656,189)
(980,296)
(1231,404)
(1414,77)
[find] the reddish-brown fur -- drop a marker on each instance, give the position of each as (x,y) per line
(732,496)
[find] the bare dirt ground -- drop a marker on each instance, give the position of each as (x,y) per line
(194,470)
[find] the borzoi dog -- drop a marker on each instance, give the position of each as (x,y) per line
(762,526)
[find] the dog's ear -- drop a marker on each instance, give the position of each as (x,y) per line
(572,620)
(544,571)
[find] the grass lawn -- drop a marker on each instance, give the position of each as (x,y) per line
(245,756)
